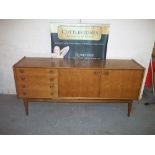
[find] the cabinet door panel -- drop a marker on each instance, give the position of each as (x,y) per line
(121,84)
(79,83)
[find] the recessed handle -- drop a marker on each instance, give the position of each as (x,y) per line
(23,78)
(105,72)
(97,72)
(23,86)
(24,93)
(52,94)
(21,71)
(51,71)
(51,79)
(51,86)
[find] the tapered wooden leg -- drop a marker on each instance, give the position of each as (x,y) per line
(26,105)
(129,108)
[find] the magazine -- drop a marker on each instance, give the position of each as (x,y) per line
(79,41)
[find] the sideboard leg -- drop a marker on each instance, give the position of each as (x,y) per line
(129,108)
(26,105)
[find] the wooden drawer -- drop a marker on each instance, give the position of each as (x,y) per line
(40,86)
(36,82)
(37,93)
(35,79)
(36,71)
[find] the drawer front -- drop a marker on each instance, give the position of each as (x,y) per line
(45,87)
(36,82)
(37,93)
(36,71)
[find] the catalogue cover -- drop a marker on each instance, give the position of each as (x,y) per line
(79,41)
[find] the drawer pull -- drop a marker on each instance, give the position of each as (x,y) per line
(51,72)
(105,73)
(51,86)
(24,93)
(21,71)
(97,73)
(51,79)
(23,86)
(52,94)
(23,78)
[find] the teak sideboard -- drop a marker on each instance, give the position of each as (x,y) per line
(75,80)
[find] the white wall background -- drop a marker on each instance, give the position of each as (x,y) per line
(131,39)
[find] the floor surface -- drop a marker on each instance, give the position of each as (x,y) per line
(75,118)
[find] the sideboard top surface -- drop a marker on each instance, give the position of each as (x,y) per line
(77,63)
